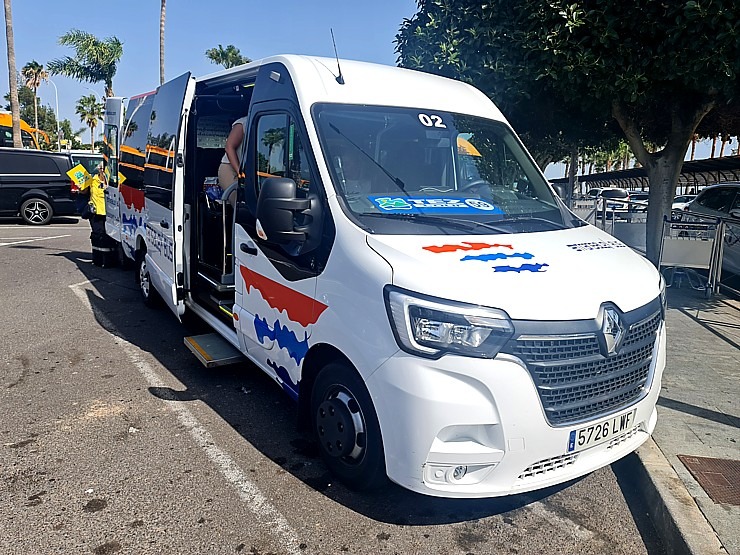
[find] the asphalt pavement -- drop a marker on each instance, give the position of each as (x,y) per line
(113,439)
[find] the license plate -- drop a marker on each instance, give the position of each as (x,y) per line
(594,434)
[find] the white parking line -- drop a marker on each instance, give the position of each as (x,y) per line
(271,519)
(45,227)
(32,240)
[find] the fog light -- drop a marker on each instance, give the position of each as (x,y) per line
(459,472)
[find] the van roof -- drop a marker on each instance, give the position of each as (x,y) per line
(366,83)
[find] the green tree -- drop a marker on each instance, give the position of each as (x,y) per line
(162,10)
(34,74)
(95,60)
(13,84)
(660,70)
(70,135)
(91,112)
(271,139)
(227,57)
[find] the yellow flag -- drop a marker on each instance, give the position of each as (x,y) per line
(79,175)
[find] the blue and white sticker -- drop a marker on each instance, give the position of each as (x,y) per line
(431,205)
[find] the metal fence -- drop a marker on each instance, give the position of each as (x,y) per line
(702,250)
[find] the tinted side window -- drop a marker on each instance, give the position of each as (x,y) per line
(6,138)
(133,148)
(718,199)
(26,139)
(29,164)
(736,204)
(164,126)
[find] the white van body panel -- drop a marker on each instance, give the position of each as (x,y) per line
(435,413)
(523,274)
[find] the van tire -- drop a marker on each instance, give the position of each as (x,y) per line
(346,428)
(36,211)
(148,294)
(124,262)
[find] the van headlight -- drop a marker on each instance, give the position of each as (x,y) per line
(431,327)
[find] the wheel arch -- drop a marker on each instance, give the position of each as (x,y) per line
(317,357)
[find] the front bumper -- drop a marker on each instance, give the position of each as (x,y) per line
(486,416)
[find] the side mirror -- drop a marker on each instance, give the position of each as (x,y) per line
(735,213)
(277,207)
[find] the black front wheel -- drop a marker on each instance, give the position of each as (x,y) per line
(346,427)
(36,211)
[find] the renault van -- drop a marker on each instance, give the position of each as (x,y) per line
(397,263)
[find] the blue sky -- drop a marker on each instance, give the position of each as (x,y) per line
(364,30)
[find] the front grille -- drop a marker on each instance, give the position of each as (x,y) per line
(576,382)
(623,438)
(546,466)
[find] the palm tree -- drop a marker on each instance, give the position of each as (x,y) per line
(95,60)
(272,138)
(34,74)
(227,57)
(90,111)
(14,106)
(161,42)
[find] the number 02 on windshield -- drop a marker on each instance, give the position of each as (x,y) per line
(594,434)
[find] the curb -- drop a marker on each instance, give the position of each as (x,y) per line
(679,522)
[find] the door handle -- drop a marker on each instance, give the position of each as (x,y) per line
(249,249)
(165,224)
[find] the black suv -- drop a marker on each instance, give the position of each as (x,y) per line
(34,184)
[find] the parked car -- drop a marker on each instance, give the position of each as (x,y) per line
(638,201)
(34,184)
(680,202)
(88,159)
(723,200)
(616,199)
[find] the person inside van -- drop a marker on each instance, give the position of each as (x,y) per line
(350,169)
(229,170)
(102,245)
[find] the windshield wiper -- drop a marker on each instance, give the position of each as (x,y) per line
(523,219)
(466,225)
(401,185)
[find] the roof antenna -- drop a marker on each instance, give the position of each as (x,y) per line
(340,79)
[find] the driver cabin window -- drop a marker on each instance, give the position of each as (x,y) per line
(272,132)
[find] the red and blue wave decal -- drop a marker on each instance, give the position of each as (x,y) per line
(506,255)
(298,307)
(133,198)
(299,310)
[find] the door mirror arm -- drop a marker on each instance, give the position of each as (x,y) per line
(277,209)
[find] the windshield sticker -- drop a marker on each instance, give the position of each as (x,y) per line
(465,247)
(597,245)
(432,205)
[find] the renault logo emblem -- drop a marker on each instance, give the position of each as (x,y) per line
(612,329)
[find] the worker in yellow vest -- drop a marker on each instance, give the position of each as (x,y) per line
(102,245)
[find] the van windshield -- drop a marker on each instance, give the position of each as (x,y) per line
(405,170)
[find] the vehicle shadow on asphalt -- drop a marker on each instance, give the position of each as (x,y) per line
(626,470)
(248,400)
(693,305)
(57,220)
